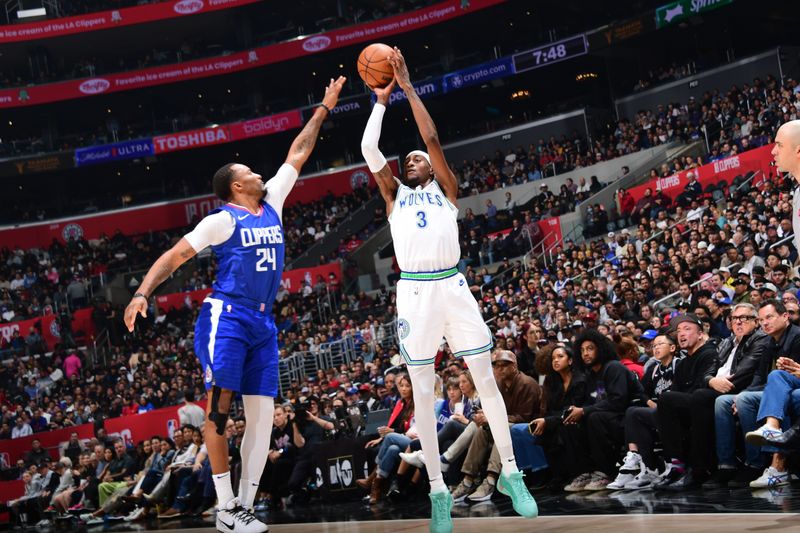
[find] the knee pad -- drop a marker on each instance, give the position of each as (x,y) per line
(219,419)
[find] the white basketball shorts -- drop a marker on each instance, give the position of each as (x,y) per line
(432,305)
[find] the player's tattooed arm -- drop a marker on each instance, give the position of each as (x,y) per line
(304,143)
(160,271)
(165,265)
(427,129)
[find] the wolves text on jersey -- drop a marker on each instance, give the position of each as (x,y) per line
(420,198)
(258,236)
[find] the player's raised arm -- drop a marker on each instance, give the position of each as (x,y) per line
(160,271)
(372,154)
(427,129)
(304,143)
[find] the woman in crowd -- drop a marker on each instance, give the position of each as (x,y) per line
(394,438)
(564,386)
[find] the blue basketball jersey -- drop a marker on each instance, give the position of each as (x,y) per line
(250,262)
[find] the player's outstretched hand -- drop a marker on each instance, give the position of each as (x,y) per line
(383,92)
(137,306)
(398,63)
(332,92)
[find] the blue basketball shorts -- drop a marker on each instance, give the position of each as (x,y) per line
(237,346)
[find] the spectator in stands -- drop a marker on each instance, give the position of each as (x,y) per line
(21,427)
(612,388)
(27,505)
(785,338)
(522,397)
(285,444)
(37,454)
(119,471)
(190,413)
(74,448)
(394,438)
(72,365)
(564,385)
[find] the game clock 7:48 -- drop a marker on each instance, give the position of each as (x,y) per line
(551,53)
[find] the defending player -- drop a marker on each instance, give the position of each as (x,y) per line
(235,334)
(433,299)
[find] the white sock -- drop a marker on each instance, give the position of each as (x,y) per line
(258,413)
(222,484)
(423,381)
(494,408)
(247,492)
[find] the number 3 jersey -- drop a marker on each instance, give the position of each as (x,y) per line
(424,229)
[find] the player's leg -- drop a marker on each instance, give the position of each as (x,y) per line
(221,349)
(217,409)
(259,388)
(258,411)
(469,338)
(420,329)
(423,379)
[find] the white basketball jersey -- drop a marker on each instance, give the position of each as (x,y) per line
(424,229)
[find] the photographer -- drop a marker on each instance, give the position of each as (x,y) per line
(315,428)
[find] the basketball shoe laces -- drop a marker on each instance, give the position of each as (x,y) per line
(243,515)
(519,488)
(440,507)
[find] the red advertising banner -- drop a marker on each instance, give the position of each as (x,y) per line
(81,321)
(104,20)
(184,140)
(258,57)
(266,125)
(758,159)
(13,449)
(10,490)
(170,215)
(550,227)
(292,280)
(178,300)
(135,428)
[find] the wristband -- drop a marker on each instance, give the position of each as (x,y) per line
(139,295)
(328,109)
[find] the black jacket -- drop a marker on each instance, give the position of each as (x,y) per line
(787,346)
(557,399)
(526,361)
(745,362)
(691,371)
(613,388)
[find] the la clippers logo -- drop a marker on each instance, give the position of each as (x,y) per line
(315,44)
(72,231)
(94,86)
(187,7)
(54,329)
(359,178)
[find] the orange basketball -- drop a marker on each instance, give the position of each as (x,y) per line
(374,67)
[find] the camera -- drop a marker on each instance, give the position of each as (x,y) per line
(301,411)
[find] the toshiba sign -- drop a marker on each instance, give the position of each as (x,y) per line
(191,139)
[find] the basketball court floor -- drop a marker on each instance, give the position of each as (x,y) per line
(709,511)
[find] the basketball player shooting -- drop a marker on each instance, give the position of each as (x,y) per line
(433,300)
(235,334)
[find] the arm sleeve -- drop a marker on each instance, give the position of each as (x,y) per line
(279,187)
(369,142)
(212,230)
